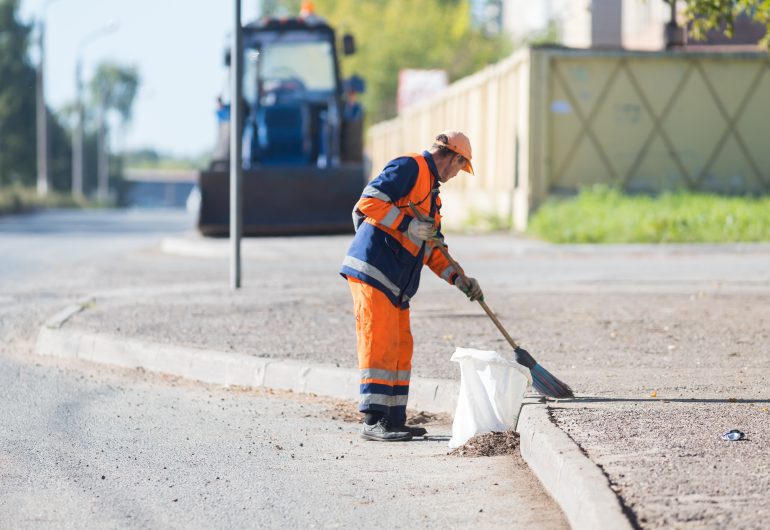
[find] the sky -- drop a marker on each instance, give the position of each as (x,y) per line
(177,46)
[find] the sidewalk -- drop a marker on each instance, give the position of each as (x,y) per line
(666,350)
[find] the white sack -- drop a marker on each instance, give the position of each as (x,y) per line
(491,391)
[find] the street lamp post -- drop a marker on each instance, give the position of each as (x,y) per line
(41,111)
(102,155)
(236,167)
(77,138)
(41,115)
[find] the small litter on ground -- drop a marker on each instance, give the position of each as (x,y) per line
(733,436)
(489,444)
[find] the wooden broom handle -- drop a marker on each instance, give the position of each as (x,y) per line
(459,271)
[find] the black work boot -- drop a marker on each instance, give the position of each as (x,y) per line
(416,431)
(383,431)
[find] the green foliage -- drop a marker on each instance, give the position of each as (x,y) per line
(479,221)
(605,215)
(114,87)
(17,99)
(152,159)
(550,35)
(17,111)
(395,34)
(16,199)
(60,153)
(715,14)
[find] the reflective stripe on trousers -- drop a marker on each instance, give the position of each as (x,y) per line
(384,352)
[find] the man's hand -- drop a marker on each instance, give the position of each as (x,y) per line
(422,230)
(471,288)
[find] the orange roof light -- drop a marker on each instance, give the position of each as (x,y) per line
(307,9)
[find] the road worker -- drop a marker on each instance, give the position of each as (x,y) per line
(383,267)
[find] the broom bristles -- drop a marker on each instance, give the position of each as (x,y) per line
(548,384)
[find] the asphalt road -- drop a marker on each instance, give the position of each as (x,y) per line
(36,245)
(86,446)
(50,259)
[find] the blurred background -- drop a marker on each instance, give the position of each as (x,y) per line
(118,103)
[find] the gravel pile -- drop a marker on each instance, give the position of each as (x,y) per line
(489,444)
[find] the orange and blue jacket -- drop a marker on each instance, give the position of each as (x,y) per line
(383,254)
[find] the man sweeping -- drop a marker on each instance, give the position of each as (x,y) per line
(383,266)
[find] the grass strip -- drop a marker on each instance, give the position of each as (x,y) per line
(17,199)
(601,214)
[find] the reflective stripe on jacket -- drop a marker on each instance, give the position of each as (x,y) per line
(382,253)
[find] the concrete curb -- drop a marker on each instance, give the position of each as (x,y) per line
(209,366)
(576,483)
(61,318)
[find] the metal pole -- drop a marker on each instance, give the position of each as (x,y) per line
(42,118)
(102,157)
(77,138)
(236,172)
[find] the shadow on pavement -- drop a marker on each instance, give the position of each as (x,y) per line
(590,399)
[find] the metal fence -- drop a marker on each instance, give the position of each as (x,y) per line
(550,120)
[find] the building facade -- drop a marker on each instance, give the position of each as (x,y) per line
(627,24)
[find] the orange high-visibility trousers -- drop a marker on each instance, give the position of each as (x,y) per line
(384,352)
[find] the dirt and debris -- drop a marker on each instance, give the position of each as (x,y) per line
(427,418)
(489,444)
(347,411)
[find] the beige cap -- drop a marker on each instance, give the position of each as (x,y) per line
(460,144)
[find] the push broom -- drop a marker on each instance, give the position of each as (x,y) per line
(543,381)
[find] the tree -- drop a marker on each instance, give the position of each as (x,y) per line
(717,14)
(395,34)
(17,99)
(60,163)
(17,110)
(399,34)
(113,89)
